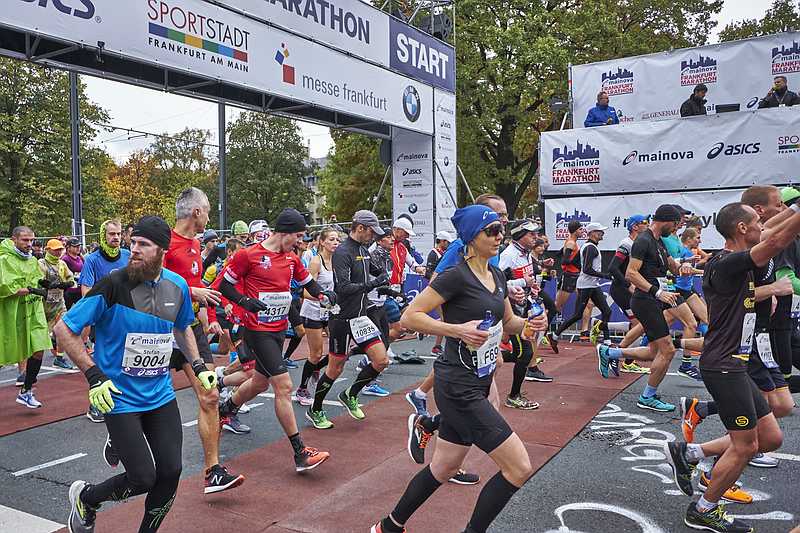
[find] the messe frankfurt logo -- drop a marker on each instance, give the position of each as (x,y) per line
(412,106)
(288,71)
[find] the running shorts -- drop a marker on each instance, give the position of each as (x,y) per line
(741,405)
(267,348)
(622,297)
(685,294)
(177,360)
(392,309)
(650,312)
(766,379)
(469,421)
(310,323)
(568,282)
(340,336)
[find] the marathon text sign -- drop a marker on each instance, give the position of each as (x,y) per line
(613,212)
(653,87)
(207,40)
(726,150)
(412,184)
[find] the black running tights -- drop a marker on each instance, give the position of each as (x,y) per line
(598,297)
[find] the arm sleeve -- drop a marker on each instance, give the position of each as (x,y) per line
(589,256)
(430,264)
(789,273)
(614,268)
(342,268)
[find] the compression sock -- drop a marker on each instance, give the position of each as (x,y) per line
(686,360)
(418,491)
(308,369)
(324,385)
(629,361)
(794,384)
(706,409)
(297,443)
(493,497)
(615,353)
(704,505)
(294,342)
(430,424)
(31,371)
(694,452)
(520,369)
(367,374)
(649,391)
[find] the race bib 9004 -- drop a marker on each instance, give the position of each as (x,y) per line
(147,355)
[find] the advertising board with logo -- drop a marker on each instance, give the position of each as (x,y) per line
(207,40)
(613,212)
(720,151)
(653,87)
(412,184)
(444,140)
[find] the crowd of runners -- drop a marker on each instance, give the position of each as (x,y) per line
(151,299)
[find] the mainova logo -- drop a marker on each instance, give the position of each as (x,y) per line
(700,70)
(786,59)
(619,82)
(83,9)
(563,220)
(402,156)
(721,148)
(656,157)
(581,165)
(412,106)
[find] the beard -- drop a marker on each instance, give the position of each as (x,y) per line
(146,270)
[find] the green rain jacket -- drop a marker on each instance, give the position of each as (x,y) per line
(23,327)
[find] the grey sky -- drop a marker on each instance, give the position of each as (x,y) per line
(149,110)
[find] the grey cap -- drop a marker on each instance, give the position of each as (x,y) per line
(368,219)
(209,235)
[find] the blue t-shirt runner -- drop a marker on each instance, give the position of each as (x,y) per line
(96,267)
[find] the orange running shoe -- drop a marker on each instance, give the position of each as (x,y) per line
(735,494)
(689,418)
(378,528)
(309,458)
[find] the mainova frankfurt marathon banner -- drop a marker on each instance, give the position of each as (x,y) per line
(726,150)
(206,39)
(653,87)
(613,211)
(412,183)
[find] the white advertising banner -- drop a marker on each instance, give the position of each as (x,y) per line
(613,211)
(412,184)
(210,41)
(727,150)
(444,138)
(653,87)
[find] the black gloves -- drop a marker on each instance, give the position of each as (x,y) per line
(48,285)
(38,292)
(388,291)
(330,296)
(381,280)
(43,283)
(253,305)
(407,244)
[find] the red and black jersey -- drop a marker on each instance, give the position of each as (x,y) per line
(183,257)
(266,275)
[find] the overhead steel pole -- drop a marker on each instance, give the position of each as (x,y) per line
(77,187)
(223,201)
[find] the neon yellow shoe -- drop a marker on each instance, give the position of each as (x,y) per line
(594,334)
(634,368)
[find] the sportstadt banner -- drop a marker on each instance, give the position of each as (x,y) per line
(205,39)
(726,150)
(653,87)
(613,211)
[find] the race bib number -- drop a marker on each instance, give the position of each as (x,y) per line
(748,330)
(486,354)
(795,306)
(363,329)
(278,306)
(765,350)
(147,355)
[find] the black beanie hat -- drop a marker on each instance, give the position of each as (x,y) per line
(290,221)
(153,228)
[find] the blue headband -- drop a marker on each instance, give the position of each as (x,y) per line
(470,220)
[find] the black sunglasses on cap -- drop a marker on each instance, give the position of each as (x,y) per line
(493,230)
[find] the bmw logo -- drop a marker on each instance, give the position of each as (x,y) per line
(412,208)
(446,161)
(411,103)
(716,150)
(630,158)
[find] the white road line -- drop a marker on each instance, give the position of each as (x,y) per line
(190,424)
(48,464)
(15,520)
(294,399)
(15,379)
(61,370)
(784,456)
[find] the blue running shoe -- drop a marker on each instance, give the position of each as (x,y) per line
(289,363)
(645,341)
(613,364)
(420,405)
(654,403)
(690,371)
(602,360)
(374,389)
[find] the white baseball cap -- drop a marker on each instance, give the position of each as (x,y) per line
(444,236)
(405,225)
(258,225)
(594,226)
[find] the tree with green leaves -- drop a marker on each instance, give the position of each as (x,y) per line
(35,162)
(784,15)
(266,162)
(352,177)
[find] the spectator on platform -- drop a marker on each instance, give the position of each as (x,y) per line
(695,105)
(602,114)
(779,95)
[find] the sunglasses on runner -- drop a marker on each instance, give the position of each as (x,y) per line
(493,230)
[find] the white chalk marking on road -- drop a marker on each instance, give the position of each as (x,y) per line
(294,399)
(784,456)
(15,379)
(48,464)
(774,515)
(15,520)
(61,370)
(190,423)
